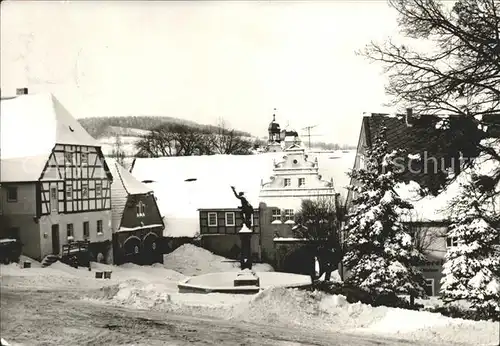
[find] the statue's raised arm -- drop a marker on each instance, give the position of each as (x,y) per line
(234,191)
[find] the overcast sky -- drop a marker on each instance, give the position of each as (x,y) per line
(202,60)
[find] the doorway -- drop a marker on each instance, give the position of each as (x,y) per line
(55,240)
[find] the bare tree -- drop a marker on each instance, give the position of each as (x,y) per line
(458,77)
(228,141)
(319,220)
(118,152)
(184,140)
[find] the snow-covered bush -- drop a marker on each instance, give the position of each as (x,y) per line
(380,254)
(355,294)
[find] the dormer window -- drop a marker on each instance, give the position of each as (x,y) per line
(140,208)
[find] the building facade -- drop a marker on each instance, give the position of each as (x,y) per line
(136,220)
(219,232)
(56,186)
(294,178)
(428,222)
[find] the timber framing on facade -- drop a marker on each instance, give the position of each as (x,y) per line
(84,183)
(59,179)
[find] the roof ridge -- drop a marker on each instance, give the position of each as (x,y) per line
(120,176)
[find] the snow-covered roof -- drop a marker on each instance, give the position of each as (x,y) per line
(22,169)
(123,177)
(210,179)
(32,124)
(436,208)
(291,138)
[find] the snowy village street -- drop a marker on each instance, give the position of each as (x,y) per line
(141,305)
(52,317)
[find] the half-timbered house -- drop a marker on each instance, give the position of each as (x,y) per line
(136,220)
(56,186)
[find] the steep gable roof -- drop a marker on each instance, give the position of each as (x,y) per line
(32,124)
(124,185)
(126,180)
(421,138)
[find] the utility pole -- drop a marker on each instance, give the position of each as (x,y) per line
(308,128)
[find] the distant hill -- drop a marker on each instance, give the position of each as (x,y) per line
(99,127)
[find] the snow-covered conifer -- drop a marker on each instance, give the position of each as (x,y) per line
(472,268)
(380,255)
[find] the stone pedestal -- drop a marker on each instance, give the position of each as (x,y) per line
(246,278)
(246,248)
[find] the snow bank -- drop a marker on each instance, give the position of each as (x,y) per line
(292,307)
(161,297)
(34,263)
(31,278)
(192,260)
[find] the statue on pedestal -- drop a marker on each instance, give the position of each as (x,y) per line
(246,212)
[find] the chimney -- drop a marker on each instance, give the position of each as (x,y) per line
(410,119)
(22,91)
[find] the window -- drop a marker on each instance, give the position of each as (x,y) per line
(85,189)
(98,188)
(11,194)
(69,192)
(251,220)
(429,287)
(99,227)
(140,209)
(70,231)
(276,215)
(53,199)
(302,182)
(451,241)
(212,219)
(230,219)
(68,157)
(288,182)
(85,158)
(289,215)
(86,230)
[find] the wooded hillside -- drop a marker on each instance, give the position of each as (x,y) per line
(99,127)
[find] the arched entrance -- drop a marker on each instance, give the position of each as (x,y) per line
(151,249)
(132,250)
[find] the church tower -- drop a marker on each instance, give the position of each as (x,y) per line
(274,139)
(274,130)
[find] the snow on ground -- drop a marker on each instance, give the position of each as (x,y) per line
(155,288)
(192,260)
(127,144)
